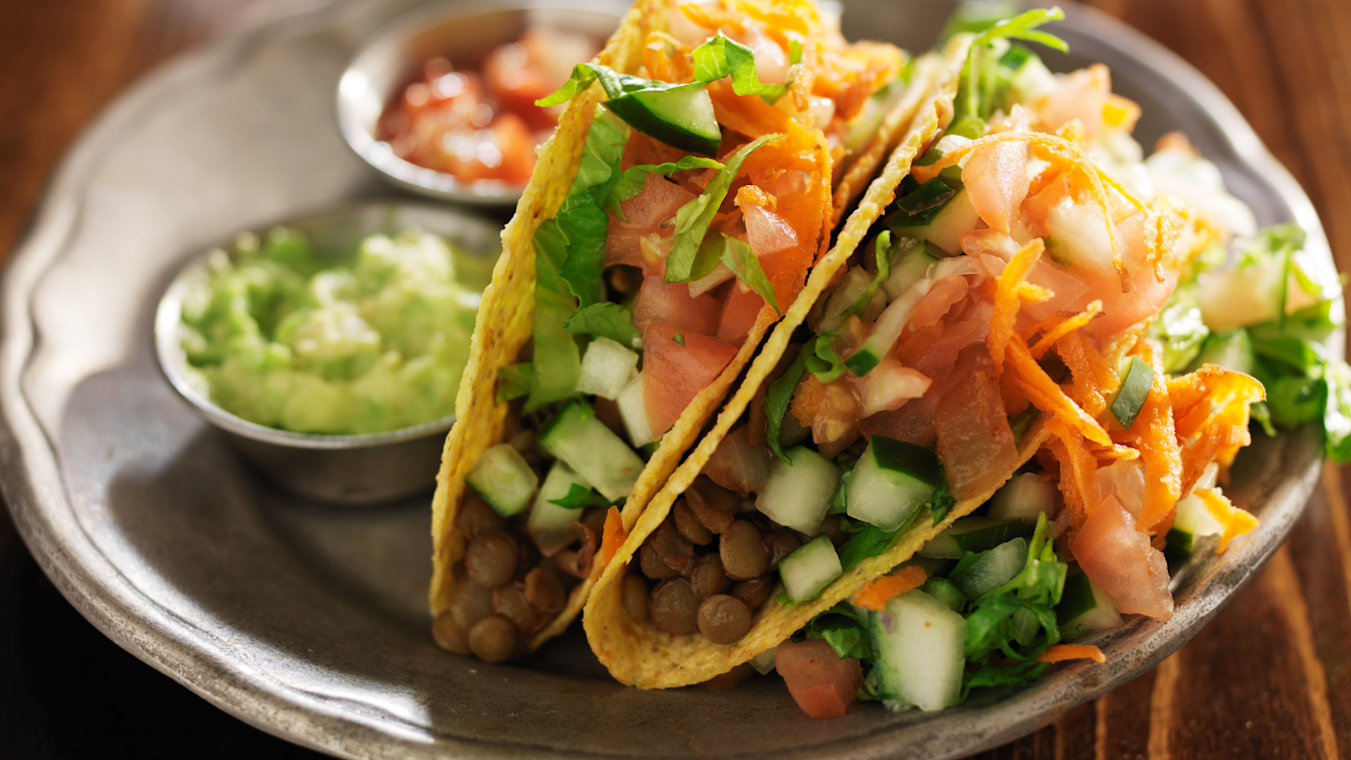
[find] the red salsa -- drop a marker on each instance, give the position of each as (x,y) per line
(484,124)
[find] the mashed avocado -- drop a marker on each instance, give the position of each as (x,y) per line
(283,337)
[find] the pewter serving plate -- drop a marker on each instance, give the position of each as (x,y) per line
(311,623)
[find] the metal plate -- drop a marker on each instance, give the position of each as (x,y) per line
(311,623)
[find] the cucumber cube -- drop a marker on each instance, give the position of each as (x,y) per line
(808,569)
(548,523)
(504,479)
(607,368)
(1084,605)
(797,495)
(1135,385)
(991,569)
(1024,497)
(575,436)
(893,479)
(944,591)
(633,411)
(919,644)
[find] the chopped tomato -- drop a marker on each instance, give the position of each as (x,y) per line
(1121,561)
(766,231)
(996,181)
(674,374)
(975,443)
(1080,95)
(739,314)
(1146,297)
(659,201)
(940,298)
(821,683)
(671,305)
(642,247)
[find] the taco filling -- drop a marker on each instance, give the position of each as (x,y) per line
(703,197)
(1039,268)
(994,329)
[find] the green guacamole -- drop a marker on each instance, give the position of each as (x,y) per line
(283,337)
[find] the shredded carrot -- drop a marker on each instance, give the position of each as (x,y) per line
(1006,300)
(1049,397)
(1062,652)
(612,536)
(1121,112)
(1155,436)
(875,595)
(752,195)
(1235,521)
(1029,293)
(1065,327)
(1089,371)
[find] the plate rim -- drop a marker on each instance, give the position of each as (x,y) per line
(43,515)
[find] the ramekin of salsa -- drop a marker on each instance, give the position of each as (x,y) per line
(442,101)
(331,348)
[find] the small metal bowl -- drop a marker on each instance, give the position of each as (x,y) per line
(339,469)
(464,33)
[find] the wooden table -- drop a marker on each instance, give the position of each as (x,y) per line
(1270,677)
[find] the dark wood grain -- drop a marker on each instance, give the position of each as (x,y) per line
(1270,677)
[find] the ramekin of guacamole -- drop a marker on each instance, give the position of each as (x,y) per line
(280,335)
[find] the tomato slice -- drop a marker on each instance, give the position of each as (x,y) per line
(821,683)
(739,314)
(674,374)
(671,305)
(1120,559)
(975,443)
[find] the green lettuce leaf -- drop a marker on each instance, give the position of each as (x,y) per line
(982,81)
(742,261)
(694,218)
(607,319)
(514,381)
(844,629)
(578,497)
(778,396)
(720,57)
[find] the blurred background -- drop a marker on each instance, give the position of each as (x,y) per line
(1270,677)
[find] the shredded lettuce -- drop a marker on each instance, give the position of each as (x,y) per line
(739,258)
(569,260)
(579,497)
(985,80)
(606,319)
(1181,331)
(514,381)
(717,58)
(845,628)
(778,396)
(694,218)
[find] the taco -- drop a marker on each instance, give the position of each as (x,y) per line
(992,325)
(671,219)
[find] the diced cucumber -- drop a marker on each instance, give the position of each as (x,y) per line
(504,479)
(851,287)
(1031,79)
(548,523)
(797,495)
(943,225)
(808,569)
(633,411)
(919,648)
(1025,626)
(575,436)
(892,480)
(681,118)
(1085,605)
(912,260)
(972,534)
(1135,385)
(1024,497)
(1193,521)
(764,662)
(887,329)
(607,368)
(1231,350)
(946,592)
(990,569)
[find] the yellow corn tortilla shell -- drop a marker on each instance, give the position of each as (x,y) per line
(504,326)
(643,655)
